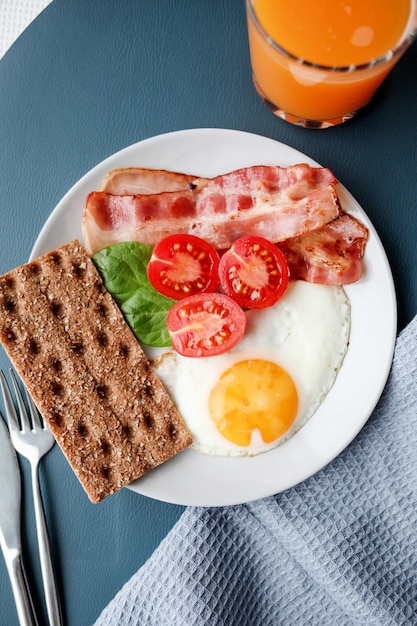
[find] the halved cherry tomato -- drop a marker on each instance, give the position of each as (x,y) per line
(183,265)
(205,324)
(254,272)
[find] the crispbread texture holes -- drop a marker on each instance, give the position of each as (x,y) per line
(89,377)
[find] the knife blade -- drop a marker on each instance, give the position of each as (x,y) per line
(10,534)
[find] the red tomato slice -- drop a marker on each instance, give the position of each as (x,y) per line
(205,324)
(183,265)
(254,272)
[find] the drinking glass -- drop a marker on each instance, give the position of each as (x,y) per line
(309,93)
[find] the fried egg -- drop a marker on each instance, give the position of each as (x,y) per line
(253,397)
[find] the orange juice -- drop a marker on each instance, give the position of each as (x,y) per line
(315,60)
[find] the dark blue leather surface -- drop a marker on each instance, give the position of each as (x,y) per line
(85,80)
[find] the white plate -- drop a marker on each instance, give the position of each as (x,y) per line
(195,479)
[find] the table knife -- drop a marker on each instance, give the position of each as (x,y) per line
(10,537)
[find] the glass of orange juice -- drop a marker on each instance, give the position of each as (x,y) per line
(315,64)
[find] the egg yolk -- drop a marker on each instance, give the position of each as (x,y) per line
(253,394)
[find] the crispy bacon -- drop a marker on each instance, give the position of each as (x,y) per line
(270,201)
(297,181)
(130,181)
(331,255)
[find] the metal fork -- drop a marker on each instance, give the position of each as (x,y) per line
(32,439)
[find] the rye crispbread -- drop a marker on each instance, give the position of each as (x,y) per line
(86,372)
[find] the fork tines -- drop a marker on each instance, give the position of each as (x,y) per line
(30,421)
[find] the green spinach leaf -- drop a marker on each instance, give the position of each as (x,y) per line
(123,268)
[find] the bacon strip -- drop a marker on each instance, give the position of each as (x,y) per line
(298,181)
(331,255)
(130,181)
(273,202)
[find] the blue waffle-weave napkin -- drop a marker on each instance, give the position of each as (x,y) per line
(338,549)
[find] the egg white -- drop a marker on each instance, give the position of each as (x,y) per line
(306,333)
